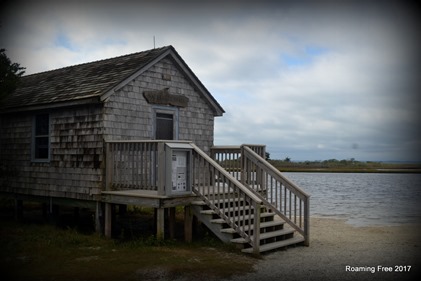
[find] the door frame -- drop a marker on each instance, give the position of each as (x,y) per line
(166,110)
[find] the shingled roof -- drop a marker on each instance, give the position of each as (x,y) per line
(89,81)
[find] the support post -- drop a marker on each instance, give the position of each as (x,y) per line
(160,223)
(98,215)
(108,220)
(188,224)
(171,219)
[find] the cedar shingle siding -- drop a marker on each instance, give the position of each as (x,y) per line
(129,116)
(76,153)
(90,103)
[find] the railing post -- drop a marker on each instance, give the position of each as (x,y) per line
(256,229)
(243,165)
(161,169)
(263,176)
(212,153)
(307,221)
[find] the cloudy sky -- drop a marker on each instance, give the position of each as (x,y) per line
(313,81)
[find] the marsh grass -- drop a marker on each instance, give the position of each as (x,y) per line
(41,251)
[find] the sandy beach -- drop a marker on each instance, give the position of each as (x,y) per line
(340,251)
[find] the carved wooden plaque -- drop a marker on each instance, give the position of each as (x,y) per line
(165,98)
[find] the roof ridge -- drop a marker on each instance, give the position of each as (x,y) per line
(100,60)
(93,81)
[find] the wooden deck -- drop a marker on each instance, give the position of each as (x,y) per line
(146,198)
(238,189)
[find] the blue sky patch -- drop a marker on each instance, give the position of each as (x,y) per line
(315,51)
(296,60)
(304,58)
(62,40)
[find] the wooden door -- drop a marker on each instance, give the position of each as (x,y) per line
(164,129)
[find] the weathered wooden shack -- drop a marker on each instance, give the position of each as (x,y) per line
(96,134)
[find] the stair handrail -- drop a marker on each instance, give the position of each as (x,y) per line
(275,174)
(250,196)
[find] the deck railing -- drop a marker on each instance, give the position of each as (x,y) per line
(247,163)
(229,157)
(132,165)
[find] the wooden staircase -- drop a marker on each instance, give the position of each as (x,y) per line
(274,232)
(246,201)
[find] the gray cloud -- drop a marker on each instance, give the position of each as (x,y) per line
(316,81)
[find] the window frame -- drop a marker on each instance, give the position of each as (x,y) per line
(34,147)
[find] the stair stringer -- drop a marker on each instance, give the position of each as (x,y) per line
(215,228)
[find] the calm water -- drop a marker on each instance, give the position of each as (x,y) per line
(363,199)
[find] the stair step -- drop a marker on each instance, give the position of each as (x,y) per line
(199,203)
(207,212)
(276,245)
(230,200)
(218,201)
(216,190)
(265,235)
(229,230)
(239,218)
(221,221)
(227,204)
(262,225)
(227,210)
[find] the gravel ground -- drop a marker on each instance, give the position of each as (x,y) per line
(339,251)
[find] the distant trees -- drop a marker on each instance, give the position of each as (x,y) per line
(319,164)
(10,74)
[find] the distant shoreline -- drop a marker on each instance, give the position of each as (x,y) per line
(345,166)
(345,170)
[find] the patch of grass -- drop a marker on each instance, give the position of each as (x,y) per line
(45,252)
